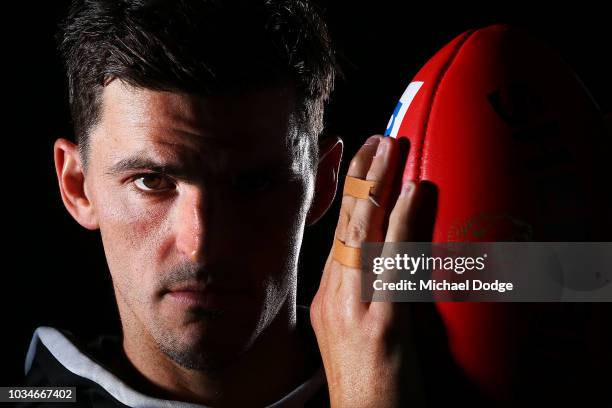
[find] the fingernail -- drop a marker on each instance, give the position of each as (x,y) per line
(407,188)
(382,148)
(371,140)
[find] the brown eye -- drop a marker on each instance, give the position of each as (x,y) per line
(152,182)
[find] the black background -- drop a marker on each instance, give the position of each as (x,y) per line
(55,271)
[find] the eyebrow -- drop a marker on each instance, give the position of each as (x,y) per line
(140,162)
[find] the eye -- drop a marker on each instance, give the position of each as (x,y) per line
(152,182)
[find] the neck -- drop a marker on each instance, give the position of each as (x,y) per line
(278,350)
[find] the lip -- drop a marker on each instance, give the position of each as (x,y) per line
(206,296)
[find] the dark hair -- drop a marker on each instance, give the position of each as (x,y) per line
(203,47)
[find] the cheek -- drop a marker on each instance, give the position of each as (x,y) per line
(131,235)
(276,226)
(275,218)
(126,222)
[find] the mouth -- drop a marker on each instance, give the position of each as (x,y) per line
(208,296)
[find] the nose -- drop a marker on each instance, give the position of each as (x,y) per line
(190,227)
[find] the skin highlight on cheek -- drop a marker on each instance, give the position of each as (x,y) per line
(129,235)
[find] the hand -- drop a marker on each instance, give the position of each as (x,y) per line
(367,347)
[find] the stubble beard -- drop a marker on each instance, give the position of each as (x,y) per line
(190,355)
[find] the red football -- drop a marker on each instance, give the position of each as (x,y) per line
(517,149)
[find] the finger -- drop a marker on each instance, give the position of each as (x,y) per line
(413,216)
(402,149)
(412,220)
(401,219)
(366,218)
(400,229)
(357,168)
(365,221)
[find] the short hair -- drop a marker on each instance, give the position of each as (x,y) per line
(203,47)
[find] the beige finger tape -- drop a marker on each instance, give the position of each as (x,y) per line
(358,188)
(346,255)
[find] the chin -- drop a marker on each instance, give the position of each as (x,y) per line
(203,345)
(205,339)
(194,357)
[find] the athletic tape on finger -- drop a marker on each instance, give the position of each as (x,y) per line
(346,255)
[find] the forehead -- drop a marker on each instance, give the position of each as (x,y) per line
(256,121)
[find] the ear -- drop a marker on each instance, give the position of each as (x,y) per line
(71,179)
(326,183)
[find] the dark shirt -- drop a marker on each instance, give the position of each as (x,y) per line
(57,358)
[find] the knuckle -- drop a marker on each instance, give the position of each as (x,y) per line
(321,311)
(344,217)
(315,310)
(343,222)
(357,230)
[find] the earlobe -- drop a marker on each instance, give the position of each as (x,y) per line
(71,180)
(330,156)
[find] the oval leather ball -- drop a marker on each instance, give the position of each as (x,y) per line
(518,151)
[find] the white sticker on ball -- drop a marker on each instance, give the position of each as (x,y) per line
(401,108)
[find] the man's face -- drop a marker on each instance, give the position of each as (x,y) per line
(192,191)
